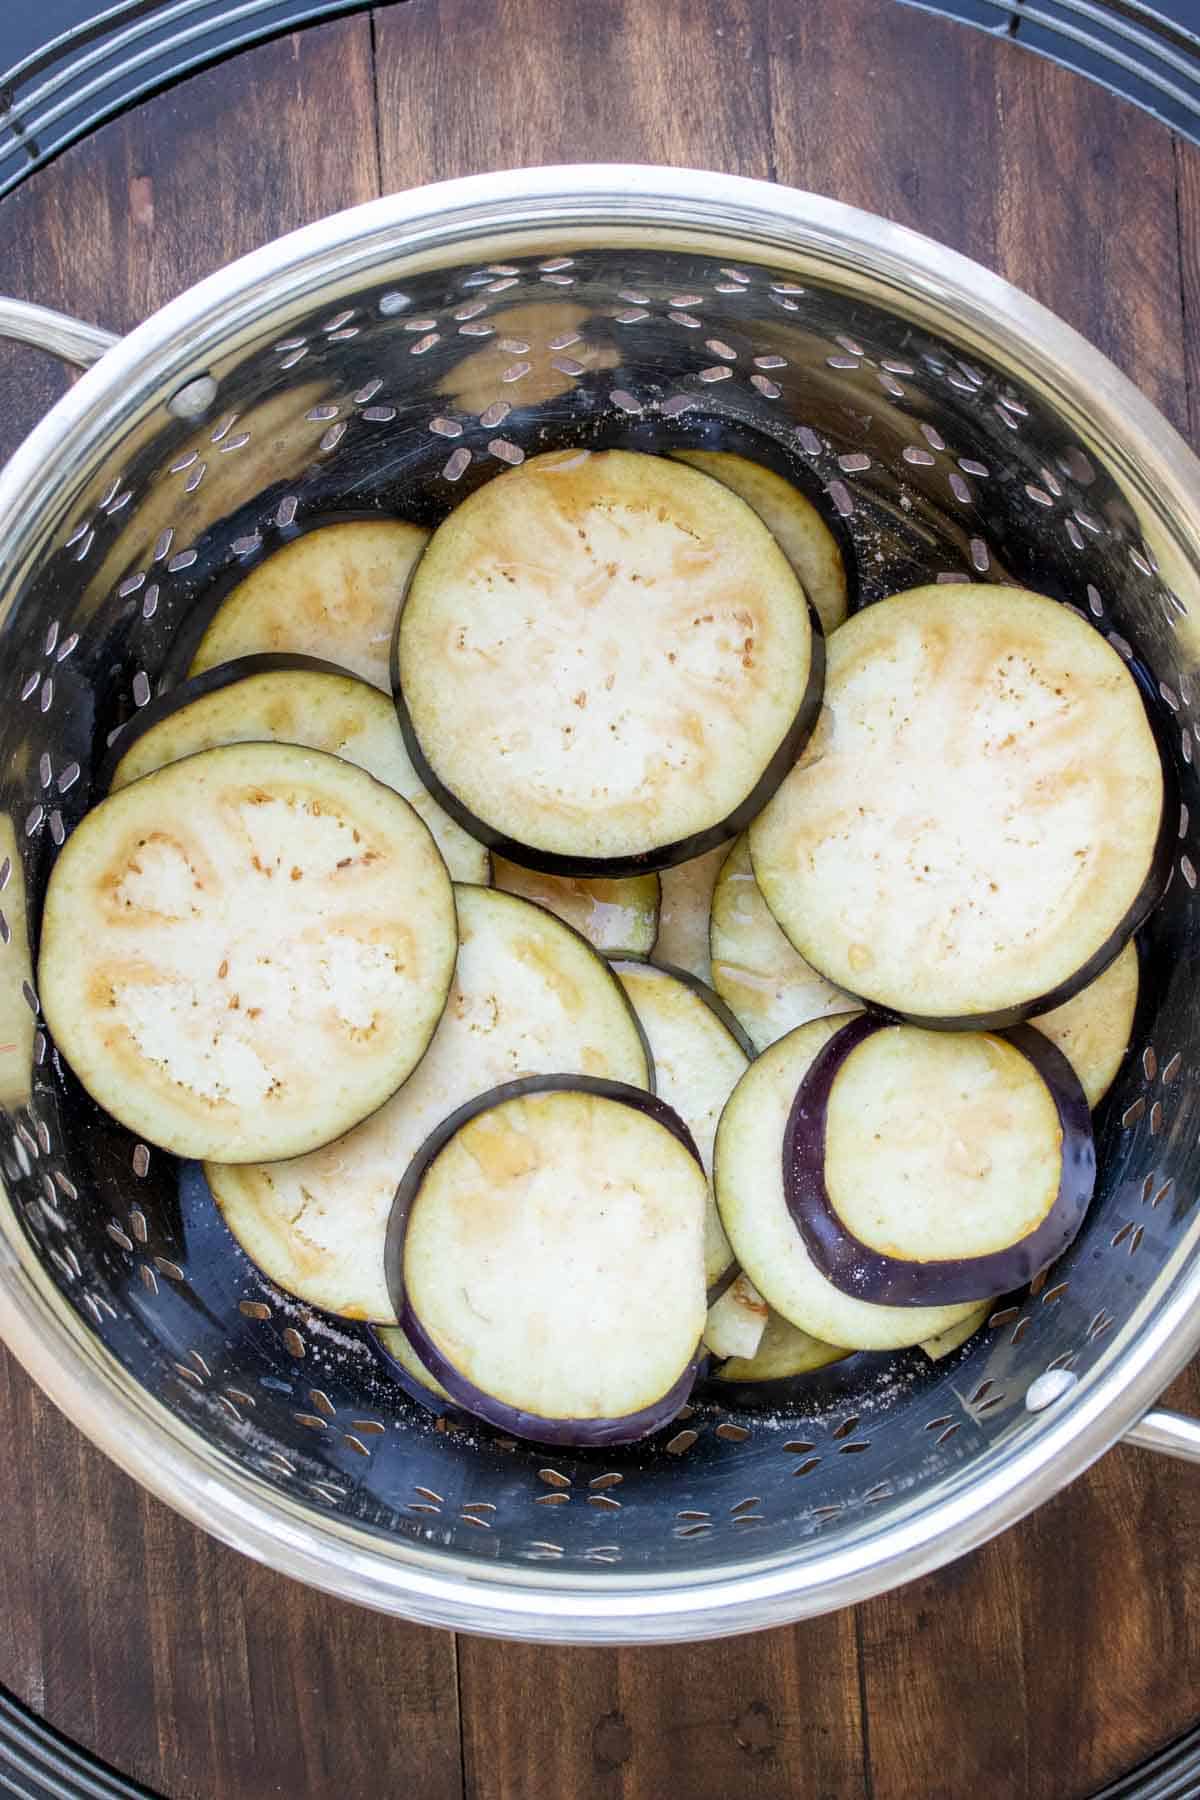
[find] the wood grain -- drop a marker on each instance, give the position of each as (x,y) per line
(1057,1656)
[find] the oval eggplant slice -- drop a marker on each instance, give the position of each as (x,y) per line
(605,663)
(793,522)
(946,1342)
(405,1367)
(765,983)
(547,1246)
(618,918)
(687,892)
(334,593)
(529,996)
(291,700)
(977,825)
(928,1168)
(1093,1028)
(699,1058)
(736,1320)
(748,1175)
(247,952)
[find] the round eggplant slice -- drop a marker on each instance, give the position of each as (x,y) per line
(928,1168)
(687,893)
(406,1368)
(765,983)
(946,1342)
(605,663)
(618,918)
(529,996)
(246,953)
(292,700)
(333,593)
(1093,1028)
(699,1057)
(977,825)
(547,1245)
(793,522)
(736,1320)
(748,1175)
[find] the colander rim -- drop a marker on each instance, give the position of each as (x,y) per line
(172,1459)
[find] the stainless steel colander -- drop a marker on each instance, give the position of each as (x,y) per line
(390,358)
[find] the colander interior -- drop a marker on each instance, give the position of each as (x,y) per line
(402,397)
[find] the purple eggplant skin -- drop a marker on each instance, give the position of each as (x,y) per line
(267,662)
(857,1269)
(423,1396)
(582,1432)
(710,997)
(645,862)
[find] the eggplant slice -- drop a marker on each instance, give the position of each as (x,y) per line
(605,663)
(736,1320)
(748,1174)
(529,996)
(1094,1027)
(946,1342)
(687,894)
(333,593)
(928,1168)
(548,1248)
(618,918)
(977,826)
(765,983)
(405,1366)
(292,700)
(699,1057)
(783,1354)
(793,522)
(246,953)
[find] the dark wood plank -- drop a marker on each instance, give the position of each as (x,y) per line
(143,1638)
(1187,193)
(464,88)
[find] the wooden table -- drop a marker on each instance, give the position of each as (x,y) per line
(1052,1660)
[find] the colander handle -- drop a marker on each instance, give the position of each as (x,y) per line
(57,333)
(1170,1433)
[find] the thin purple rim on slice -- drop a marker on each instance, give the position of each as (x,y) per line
(199,687)
(510,1419)
(866,1273)
(416,1390)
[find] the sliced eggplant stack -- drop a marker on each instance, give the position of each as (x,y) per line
(546,1254)
(793,522)
(687,896)
(978,824)
(765,983)
(529,996)
(618,918)
(246,953)
(333,593)
(699,1057)
(748,1175)
(291,700)
(605,664)
(1094,1027)
(928,1168)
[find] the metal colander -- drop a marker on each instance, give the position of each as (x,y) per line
(391,358)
